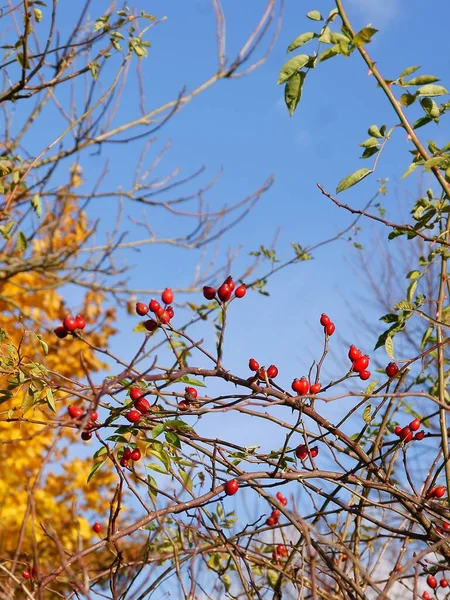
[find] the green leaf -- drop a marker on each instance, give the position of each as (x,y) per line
(412,167)
(414,275)
(272,577)
(421,122)
(375,132)
(430,107)
(364,36)
(353,179)
(292,66)
(157,468)
(153,490)
(293,91)
(403,305)
(407,99)
(389,347)
(44,345)
(411,290)
(329,53)
(191,381)
(50,399)
(172,439)
(368,152)
(421,80)
(372,141)
(314,15)
(117,438)
(300,40)
(157,430)
(22,242)
(369,389)
(367,416)
(36,204)
(432,90)
(100,452)
(408,71)
(95,469)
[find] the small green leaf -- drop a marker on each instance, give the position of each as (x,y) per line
(364,36)
(329,53)
(22,242)
(157,430)
(372,141)
(407,99)
(300,40)
(100,452)
(412,167)
(414,275)
(191,381)
(314,15)
(50,399)
(369,389)
(421,80)
(430,107)
(389,347)
(272,578)
(95,469)
(411,290)
(353,179)
(293,91)
(36,204)
(157,468)
(367,414)
(292,66)
(408,71)
(403,305)
(375,132)
(432,90)
(153,486)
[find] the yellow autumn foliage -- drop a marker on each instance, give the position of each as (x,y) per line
(45,500)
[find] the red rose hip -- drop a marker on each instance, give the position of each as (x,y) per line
(167,296)
(231,487)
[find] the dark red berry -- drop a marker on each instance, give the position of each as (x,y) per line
(81,323)
(397,430)
(364,374)
(419,435)
(262,373)
(60,332)
(240,291)
(124,462)
(94,415)
(136,454)
(224,292)
(86,435)
(150,325)
(209,292)
(392,369)
(231,487)
(154,305)
(133,416)
(432,582)
(440,491)
(135,393)
(97,527)
(167,296)
(141,309)
(191,391)
(271,522)
(360,364)
(330,328)
(75,411)
(354,353)
(406,434)
(315,388)
(281,550)
(314,452)
(324,319)
(26,574)
(229,282)
(253,365)
(415,425)
(70,324)
(127,454)
(272,371)
(183,405)
(142,405)
(300,386)
(301,452)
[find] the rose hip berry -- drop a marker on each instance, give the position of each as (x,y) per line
(154,305)
(229,282)
(26,574)
(60,332)
(281,550)
(315,388)
(301,452)
(135,393)
(97,527)
(240,291)
(272,371)
(81,323)
(94,415)
(133,416)
(406,434)
(432,582)
(443,583)
(141,309)
(224,292)
(300,386)
(142,405)
(324,319)
(150,325)
(253,365)
(271,522)
(126,454)
(392,369)
(167,296)
(124,462)
(360,364)
(86,435)
(364,374)
(314,452)
(136,454)
(209,292)
(231,487)
(440,491)
(75,411)
(70,324)
(191,391)
(354,353)
(415,425)
(330,328)
(419,435)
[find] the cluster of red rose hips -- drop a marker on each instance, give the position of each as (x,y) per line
(360,362)
(432,582)
(301,452)
(275,515)
(77,413)
(69,325)
(190,395)
(301,387)
(406,433)
(279,551)
(129,454)
(225,290)
(162,314)
(437,492)
(270,373)
(140,403)
(328,326)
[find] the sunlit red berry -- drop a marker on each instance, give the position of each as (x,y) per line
(324,319)
(141,309)
(60,332)
(330,328)
(240,291)
(300,386)
(154,305)
(75,411)
(392,369)
(136,454)
(26,574)
(135,393)
(281,550)
(164,317)
(94,415)
(440,491)
(301,452)
(124,462)
(426,596)
(432,582)
(364,375)
(406,434)
(314,452)
(284,501)
(191,391)
(231,487)
(209,292)
(262,374)
(398,430)
(97,527)
(133,416)
(167,296)
(446,526)
(315,388)
(70,324)
(354,353)
(86,435)
(224,292)
(81,323)
(360,364)
(170,311)
(276,513)
(127,453)
(414,425)
(229,282)
(271,522)
(279,496)
(420,435)
(272,371)
(150,325)
(253,365)
(142,405)
(443,583)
